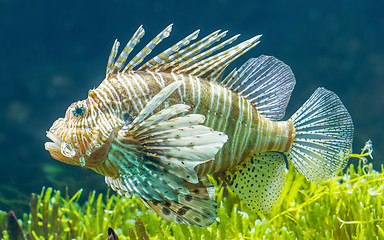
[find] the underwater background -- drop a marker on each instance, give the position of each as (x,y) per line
(53,52)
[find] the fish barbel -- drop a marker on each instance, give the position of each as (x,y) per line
(156,130)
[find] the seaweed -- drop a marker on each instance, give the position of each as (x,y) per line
(13,227)
(347,207)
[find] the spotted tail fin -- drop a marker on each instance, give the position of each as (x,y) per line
(323,141)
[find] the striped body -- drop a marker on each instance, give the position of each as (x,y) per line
(248,132)
(154,130)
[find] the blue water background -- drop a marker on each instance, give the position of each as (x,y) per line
(52,52)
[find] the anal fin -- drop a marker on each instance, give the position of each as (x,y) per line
(259,180)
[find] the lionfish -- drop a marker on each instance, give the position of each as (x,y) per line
(157,130)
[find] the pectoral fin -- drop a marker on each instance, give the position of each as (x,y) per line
(158,153)
(169,149)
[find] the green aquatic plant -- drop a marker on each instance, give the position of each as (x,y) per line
(347,207)
(55,217)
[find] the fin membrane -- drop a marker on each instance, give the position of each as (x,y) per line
(324,133)
(266,82)
(195,209)
(259,180)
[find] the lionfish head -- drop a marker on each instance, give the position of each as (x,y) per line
(77,139)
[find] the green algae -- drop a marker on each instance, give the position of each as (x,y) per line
(347,207)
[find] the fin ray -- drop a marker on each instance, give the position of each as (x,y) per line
(157,157)
(154,103)
(195,209)
(180,58)
(118,65)
(266,82)
(112,56)
(210,51)
(148,49)
(191,51)
(324,133)
(163,58)
(218,63)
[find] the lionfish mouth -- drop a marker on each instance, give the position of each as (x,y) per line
(55,144)
(60,150)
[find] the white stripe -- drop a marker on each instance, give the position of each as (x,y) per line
(105,124)
(106,101)
(242,129)
(94,113)
(184,87)
(236,133)
(246,136)
(129,84)
(198,93)
(112,90)
(125,79)
(283,134)
(156,79)
(162,84)
(175,77)
(134,79)
(216,91)
(210,110)
(219,88)
(221,117)
(142,81)
(259,130)
(268,133)
(193,89)
(221,120)
(229,109)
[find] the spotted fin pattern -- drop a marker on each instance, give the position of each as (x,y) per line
(259,180)
(266,82)
(195,208)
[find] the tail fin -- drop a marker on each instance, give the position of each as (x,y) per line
(323,141)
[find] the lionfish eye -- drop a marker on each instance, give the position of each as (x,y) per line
(79,111)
